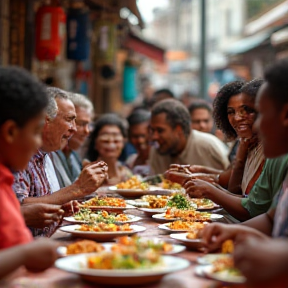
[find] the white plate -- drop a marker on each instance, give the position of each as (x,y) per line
(210,258)
(189,243)
(161,217)
(100,236)
(77,264)
(176,248)
(152,211)
(152,190)
(223,276)
(132,219)
(139,203)
(110,208)
(62,250)
(167,228)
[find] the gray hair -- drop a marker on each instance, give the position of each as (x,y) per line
(82,101)
(52,107)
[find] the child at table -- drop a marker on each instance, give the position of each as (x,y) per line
(22,103)
(254,247)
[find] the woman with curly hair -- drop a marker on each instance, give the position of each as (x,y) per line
(235,114)
(107,142)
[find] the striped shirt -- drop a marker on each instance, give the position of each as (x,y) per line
(34,182)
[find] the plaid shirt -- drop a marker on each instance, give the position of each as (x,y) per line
(33,182)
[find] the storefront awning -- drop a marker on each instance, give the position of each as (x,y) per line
(280,37)
(144,47)
(251,42)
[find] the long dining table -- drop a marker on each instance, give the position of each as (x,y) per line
(55,278)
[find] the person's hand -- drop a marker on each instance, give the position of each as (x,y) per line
(40,254)
(180,168)
(213,235)
(177,177)
(41,215)
(91,178)
(70,208)
(260,260)
(85,162)
(211,178)
(197,169)
(197,188)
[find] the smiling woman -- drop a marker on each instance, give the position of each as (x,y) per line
(106,143)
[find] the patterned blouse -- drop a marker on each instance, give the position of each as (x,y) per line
(33,182)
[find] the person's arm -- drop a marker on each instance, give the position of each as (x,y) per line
(90,179)
(197,188)
(41,215)
(270,256)
(202,169)
(263,222)
(235,180)
(213,235)
(36,256)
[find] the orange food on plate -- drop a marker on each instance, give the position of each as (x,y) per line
(189,215)
(103,227)
(84,246)
(133,183)
(183,225)
(105,201)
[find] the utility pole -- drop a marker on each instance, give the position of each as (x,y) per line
(203,68)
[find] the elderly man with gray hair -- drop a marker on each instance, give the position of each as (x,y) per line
(38,183)
(67,162)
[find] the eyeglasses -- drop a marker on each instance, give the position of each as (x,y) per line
(110,137)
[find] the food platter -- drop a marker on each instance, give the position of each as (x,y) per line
(223,276)
(78,264)
(189,243)
(134,193)
(152,211)
(210,258)
(100,236)
(132,218)
(109,208)
(167,228)
(161,217)
(176,248)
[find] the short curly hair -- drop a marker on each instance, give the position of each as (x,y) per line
(220,107)
(22,96)
(176,114)
(222,98)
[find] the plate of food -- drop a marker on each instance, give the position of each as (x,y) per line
(189,215)
(141,243)
(152,211)
(88,216)
(192,243)
(135,187)
(102,231)
(183,226)
(208,259)
(80,247)
(204,204)
(106,203)
(115,269)
(223,270)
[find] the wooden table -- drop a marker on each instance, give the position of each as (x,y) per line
(54,278)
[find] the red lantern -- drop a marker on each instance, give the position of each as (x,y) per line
(50,29)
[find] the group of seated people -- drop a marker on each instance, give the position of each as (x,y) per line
(42,129)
